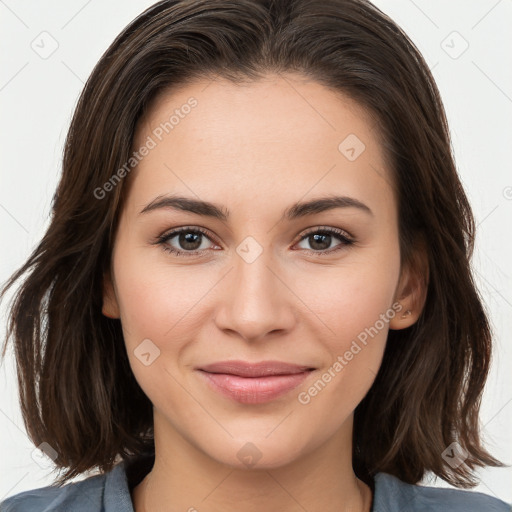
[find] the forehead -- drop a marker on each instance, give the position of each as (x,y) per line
(280,134)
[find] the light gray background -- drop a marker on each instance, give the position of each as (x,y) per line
(38,93)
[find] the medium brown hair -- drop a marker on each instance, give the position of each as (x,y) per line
(77,390)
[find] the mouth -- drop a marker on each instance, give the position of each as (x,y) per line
(254,383)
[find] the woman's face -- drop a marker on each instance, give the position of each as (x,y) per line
(257,285)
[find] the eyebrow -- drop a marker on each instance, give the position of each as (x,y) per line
(297,210)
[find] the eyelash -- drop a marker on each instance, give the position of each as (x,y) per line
(338,233)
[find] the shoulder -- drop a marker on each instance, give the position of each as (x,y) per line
(99,493)
(391,494)
(84,495)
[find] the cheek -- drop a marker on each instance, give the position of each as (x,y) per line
(153,309)
(357,319)
(354,308)
(162,310)
(154,298)
(350,299)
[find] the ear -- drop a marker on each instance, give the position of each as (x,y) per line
(110,306)
(411,291)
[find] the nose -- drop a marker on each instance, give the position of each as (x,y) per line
(256,300)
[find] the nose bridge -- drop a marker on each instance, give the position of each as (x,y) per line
(256,301)
(252,271)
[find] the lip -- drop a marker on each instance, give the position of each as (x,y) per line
(254,383)
(261,369)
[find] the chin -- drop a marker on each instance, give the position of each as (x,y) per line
(258,453)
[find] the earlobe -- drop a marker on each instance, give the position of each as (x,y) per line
(411,292)
(110,307)
(405,317)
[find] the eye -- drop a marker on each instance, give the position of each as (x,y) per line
(189,241)
(320,240)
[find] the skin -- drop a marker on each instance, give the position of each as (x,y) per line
(255,150)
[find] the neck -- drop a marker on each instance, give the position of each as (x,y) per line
(185,478)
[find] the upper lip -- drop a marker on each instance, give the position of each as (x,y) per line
(261,369)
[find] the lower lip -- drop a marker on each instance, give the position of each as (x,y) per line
(254,390)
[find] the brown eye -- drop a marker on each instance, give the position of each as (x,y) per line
(320,240)
(184,241)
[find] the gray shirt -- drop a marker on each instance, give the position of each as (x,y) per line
(110,492)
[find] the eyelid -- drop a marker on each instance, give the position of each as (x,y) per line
(330,229)
(171,233)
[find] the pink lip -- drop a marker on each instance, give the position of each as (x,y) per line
(254,383)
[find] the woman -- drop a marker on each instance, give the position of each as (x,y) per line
(255,292)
